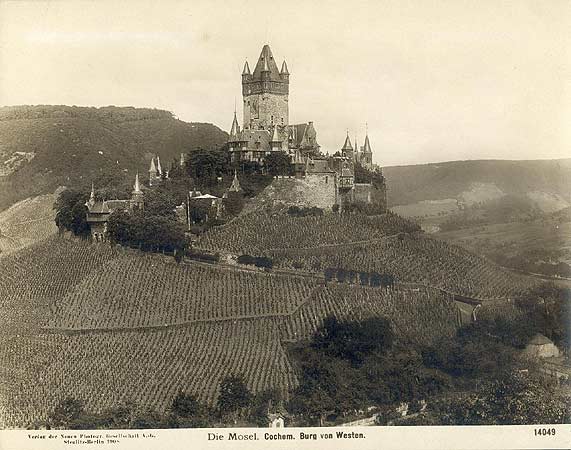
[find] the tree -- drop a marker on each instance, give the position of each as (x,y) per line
(514,399)
(278,163)
(71,212)
(205,166)
(66,413)
(234,395)
(186,405)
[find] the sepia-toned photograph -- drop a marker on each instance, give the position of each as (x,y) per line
(259,215)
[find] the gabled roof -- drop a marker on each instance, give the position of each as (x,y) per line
(99,208)
(266,63)
(207,196)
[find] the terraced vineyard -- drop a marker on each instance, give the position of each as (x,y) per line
(414,259)
(236,321)
(33,278)
(267,229)
(135,291)
(149,368)
(417,315)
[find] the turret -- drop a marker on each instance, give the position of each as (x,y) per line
(137,194)
(91,200)
(276,141)
(235,129)
(367,154)
(347,149)
(284,72)
(159,168)
(152,172)
(246,74)
(235,186)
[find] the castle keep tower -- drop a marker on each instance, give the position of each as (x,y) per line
(265,93)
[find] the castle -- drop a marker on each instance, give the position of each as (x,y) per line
(266,130)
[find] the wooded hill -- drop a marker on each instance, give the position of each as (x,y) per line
(448,180)
(43,147)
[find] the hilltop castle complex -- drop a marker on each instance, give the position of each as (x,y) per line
(266,129)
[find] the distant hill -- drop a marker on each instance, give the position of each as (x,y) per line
(547,181)
(43,147)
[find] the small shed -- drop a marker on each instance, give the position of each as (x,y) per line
(541,347)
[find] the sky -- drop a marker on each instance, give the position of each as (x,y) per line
(433,80)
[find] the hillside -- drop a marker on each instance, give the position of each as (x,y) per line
(26,222)
(547,181)
(43,147)
(69,307)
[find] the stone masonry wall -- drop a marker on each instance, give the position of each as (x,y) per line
(268,105)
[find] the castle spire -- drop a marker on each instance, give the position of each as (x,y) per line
(367,145)
(159,168)
(235,126)
(275,135)
(246,70)
(284,70)
(347,145)
(137,186)
(235,186)
(91,201)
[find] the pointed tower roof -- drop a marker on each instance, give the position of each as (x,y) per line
(137,186)
(367,146)
(266,63)
(235,127)
(284,70)
(246,70)
(235,186)
(153,168)
(159,168)
(275,135)
(347,145)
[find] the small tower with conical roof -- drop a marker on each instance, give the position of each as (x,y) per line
(276,141)
(91,200)
(347,150)
(235,186)
(153,173)
(235,130)
(137,194)
(367,153)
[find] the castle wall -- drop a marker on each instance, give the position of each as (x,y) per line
(320,190)
(259,109)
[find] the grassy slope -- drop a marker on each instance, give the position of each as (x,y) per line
(67,142)
(26,222)
(74,284)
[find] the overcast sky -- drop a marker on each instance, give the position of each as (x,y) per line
(435,81)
